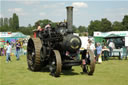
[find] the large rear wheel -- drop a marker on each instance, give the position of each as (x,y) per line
(33,54)
(55,63)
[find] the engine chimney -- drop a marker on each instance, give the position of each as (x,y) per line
(69,17)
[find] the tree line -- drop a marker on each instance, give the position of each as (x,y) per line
(9,24)
(104,25)
(12,25)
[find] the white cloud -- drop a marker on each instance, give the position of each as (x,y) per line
(42,14)
(80,4)
(19,11)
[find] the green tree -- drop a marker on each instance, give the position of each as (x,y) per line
(82,29)
(1,21)
(15,21)
(11,23)
(125,22)
(74,28)
(26,30)
(5,25)
(106,25)
(117,26)
(6,22)
(45,22)
(94,26)
(29,25)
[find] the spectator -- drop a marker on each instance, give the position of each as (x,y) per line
(111,47)
(103,43)
(99,51)
(8,52)
(18,46)
(90,45)
(105,53)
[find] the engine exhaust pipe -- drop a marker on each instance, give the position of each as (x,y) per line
(69,17)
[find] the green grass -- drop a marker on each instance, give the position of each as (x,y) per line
(112,72)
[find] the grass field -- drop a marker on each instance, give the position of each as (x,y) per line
(112,72)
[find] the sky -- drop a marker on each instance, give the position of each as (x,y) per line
(30,11)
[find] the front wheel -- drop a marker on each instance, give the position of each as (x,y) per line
(89,66)
(55,63)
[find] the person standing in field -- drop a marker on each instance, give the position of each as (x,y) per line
(111,47)
(18,46)
(91,45)
(99,51)
(8,52)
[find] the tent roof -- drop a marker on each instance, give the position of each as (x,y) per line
(18,35)
(113,36)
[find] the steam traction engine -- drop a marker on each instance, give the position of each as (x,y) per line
(57,49)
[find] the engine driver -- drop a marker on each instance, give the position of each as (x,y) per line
(40,28)
(48,26)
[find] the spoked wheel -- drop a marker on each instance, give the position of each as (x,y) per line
(33,54)
(55,63)
(90,63)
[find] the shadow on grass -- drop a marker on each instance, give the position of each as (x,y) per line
(42,70)
(69,72)
(64,72)
(45,69)
(114,58)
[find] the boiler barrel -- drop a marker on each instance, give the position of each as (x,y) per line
(71,43)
